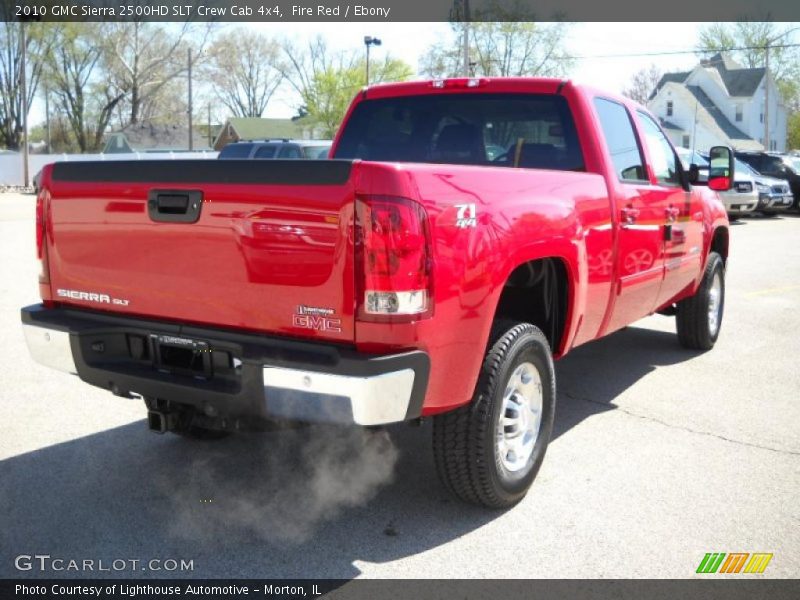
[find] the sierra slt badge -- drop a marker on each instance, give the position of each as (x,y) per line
(311,317)
(90,297)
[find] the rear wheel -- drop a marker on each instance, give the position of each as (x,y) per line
(489,451)
(699,317)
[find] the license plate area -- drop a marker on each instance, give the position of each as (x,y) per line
(182,356)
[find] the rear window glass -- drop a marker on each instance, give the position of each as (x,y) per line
(265,152)
(524,130)
(236,151)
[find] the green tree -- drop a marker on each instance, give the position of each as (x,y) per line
(330,92)
(326,81)
(793,134)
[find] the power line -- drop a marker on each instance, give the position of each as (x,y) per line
(673,52)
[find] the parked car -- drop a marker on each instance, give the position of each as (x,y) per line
(741,199)
(774,195)
(314,149)
(775,165)
(412,277)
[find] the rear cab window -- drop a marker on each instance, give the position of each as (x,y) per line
(663,159)
(524,130)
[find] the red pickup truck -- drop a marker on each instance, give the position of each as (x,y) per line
(465,233)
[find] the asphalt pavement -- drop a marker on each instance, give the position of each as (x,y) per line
(660,455)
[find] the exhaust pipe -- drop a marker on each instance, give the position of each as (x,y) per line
(161,422)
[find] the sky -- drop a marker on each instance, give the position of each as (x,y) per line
(408,41)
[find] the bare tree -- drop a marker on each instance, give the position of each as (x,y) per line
(72,74)
(11,100)
(327,81)
(501,49)
(245,68)
(643,83)
(305,62)
(142,58)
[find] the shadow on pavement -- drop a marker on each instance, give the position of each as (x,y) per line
(593,375)
(300,503)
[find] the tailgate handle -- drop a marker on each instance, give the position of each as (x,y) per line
(175,206)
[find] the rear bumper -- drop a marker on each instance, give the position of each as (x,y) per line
(258,376)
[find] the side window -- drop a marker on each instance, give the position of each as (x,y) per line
(265,152)
(290,152)
(663,158)
(621,140)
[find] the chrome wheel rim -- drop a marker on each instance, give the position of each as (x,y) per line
(520,417)
(714,304)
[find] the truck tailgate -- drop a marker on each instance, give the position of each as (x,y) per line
(270,248)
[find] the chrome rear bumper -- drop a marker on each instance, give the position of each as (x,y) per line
(276,378)
(50,347)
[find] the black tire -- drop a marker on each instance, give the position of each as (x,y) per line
(465,441)
(696,329)
(768,214)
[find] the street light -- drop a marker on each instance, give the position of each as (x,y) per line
(370,41)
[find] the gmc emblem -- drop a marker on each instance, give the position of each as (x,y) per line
(317,322)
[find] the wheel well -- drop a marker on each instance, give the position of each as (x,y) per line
(537,292)
(719,243)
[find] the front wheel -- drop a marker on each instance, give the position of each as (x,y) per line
(489,451)
(699,317)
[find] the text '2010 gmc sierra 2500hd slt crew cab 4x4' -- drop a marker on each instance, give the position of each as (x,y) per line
(414,275)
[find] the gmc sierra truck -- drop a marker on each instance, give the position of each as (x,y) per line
(464,234)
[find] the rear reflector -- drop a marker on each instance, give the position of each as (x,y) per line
(393,249)
(41,233)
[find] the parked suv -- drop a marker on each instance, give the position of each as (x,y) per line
(775,165)
(284,148)
(774,195)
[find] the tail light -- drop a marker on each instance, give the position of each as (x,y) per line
(394,257)
(41,233)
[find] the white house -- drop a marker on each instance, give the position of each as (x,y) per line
(720,102)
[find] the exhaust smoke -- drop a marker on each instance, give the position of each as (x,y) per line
(279,486)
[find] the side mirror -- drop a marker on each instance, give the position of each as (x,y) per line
(720,171)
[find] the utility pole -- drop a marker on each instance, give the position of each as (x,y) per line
(210,141)
(24,91)
(191,142)
(370,41)
(766,101)
(466,38)
(47,116)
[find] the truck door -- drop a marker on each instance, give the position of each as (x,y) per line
(641,215)
(682,217)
